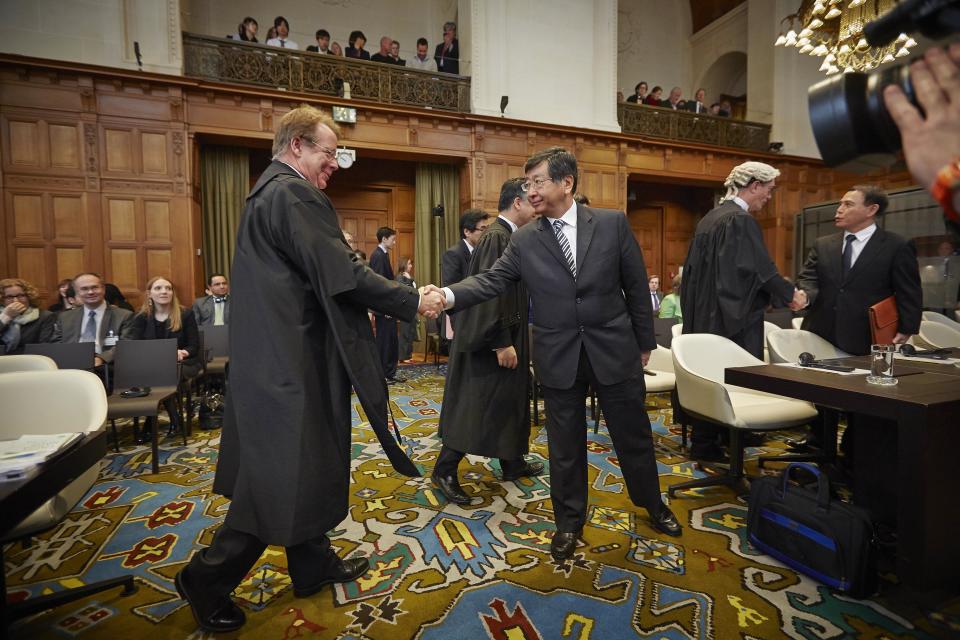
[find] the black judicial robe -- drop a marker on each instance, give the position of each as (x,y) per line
(299,339)
(729,279)
(485,409)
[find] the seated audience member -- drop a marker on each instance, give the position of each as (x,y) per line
(21,319)
(271,34)
(698,104)
(674,102)
(715,109)
(408,330)
(336,49)
(323,42)
(726,110)
(94,320)
(62,303)
(423,60)
(670,305)
(384,54)
(395,54)
(654,98)
(213,310)
(161,317)
(113,295)
(447,53)
(356,50)
(282,38)
(247,30)
(639,93)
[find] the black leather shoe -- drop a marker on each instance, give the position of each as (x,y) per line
(564,543)
(225,617)
(345,571)
(529,469)
(451,489)
(395,380)
(665,522)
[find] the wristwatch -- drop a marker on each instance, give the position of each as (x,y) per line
(945,187)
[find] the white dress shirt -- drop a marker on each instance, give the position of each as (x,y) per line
(284,43)
(469,247)
(427,64)
(863,236)
(98,319)
(513,227)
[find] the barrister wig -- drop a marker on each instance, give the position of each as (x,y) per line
(743,174)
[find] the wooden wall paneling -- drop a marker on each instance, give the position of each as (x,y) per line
(66,145)
(25,149)
(646,222)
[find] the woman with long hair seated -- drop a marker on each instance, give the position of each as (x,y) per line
(22,321)
(160,317)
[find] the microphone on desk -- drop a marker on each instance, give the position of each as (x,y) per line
(937,354)
(807,359)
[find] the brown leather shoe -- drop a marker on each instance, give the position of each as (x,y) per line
(223,617)
(564,543)
(345,571)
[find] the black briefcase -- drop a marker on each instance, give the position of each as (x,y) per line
(829,540)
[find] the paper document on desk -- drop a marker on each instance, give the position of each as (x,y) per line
(855,372)
(947,361)
(41,446)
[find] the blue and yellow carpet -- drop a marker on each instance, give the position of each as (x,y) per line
(440,571)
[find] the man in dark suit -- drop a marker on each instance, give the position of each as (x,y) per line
(456,259)
(593,327)
(697,105)
(848,272)
(673,101)
(388,343)
(447,53)
(95,321)
(214,310)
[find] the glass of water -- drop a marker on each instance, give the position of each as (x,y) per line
(881,364)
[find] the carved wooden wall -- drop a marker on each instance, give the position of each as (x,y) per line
(98,167)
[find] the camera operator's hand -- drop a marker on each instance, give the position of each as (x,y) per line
(933,142)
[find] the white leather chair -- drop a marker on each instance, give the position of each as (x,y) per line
(768,328)
(933,316)
(661,365)
(677,329)
(939,335)
(13,364)
(699,362)
(48,402)
(786,345)
(797,323)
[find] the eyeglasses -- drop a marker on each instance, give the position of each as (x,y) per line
(15,296)
(332,154)
(535,184)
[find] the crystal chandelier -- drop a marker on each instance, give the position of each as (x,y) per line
(833,30)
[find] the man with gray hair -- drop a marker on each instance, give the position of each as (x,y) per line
(729,278)
(447,53)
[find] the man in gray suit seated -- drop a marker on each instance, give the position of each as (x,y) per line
(213,310)
(94,321)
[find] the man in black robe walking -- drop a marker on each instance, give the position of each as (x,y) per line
(485,405)
(729,278)
(299,340)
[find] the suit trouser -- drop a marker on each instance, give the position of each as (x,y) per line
(449,458)
(388,344)
(216,571)
(623,406)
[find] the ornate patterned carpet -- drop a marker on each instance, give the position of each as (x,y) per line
(440,571)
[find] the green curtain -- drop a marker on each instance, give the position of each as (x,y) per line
(436,184)
(224,184)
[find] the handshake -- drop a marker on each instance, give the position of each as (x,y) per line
(799,300)
(432,301)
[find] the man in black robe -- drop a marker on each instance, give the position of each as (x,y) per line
(485,406)
(299,340)
(729,278)
(388,342)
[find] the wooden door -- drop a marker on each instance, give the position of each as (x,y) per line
(647,225)
(362,212)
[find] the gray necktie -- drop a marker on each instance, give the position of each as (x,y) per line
(565,245)
(90,330)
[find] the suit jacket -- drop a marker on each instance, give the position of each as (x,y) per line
(380,263)
(449,63)
(453,265)
(70,323)
(39,331)
(692,105)
(886,266)
(666,104)
(203,311)
(605,310)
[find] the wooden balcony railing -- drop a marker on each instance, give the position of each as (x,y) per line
(656,122)
(227,60)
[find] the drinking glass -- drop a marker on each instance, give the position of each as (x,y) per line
(881,364)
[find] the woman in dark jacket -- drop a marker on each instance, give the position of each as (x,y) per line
(161,317)
(356,50)
(22,321)
(408,330)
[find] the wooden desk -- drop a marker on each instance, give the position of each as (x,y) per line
(926,408)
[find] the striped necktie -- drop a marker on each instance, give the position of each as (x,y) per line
(565,245)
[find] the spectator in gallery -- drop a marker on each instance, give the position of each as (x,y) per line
(447,53)
(639,93)
(715,109)
(63,302)
(113,295)
(323,42)
(22,321)
(674,102)
(356,50)
(247,30)
(271,33)
(698,104)
(670,305)
(383,55)
(213,310)
(408,330)
(725,109)
(336,49)
(282,38)
(395,54)
(423,60)
(654,98)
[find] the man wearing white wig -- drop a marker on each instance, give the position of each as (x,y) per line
(729,278)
